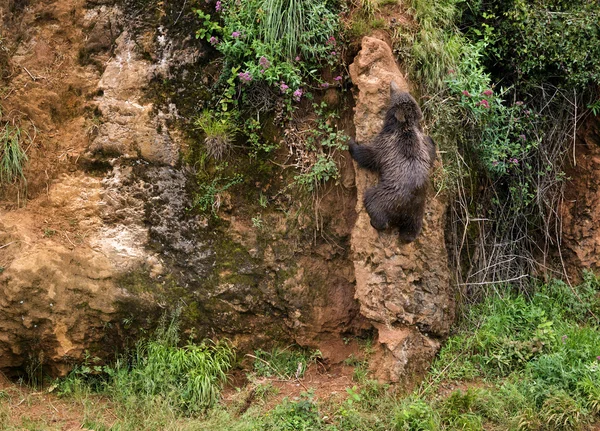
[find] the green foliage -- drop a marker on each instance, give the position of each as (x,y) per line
(539,42)
(502,132)
(551,365)
(186,379)
(208,197)
(301,415)
(321,142)
(280,42)
(416,415)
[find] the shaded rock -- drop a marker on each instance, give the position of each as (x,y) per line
(403,290)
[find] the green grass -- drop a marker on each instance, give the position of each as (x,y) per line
(220,133)
(515,363)
(12,155)
(181,379)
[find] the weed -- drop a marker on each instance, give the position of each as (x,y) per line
(49,232)
(284,363)
(220,132)
(257,222)
(209,195)
(12,155)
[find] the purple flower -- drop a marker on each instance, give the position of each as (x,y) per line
(338,78)
(598,358)
(245,76)
(236,34)
(297,95)
(218,6)
(523,137)
(484,103)
(466,93)
(213,40)
(264,62)
(515,161)
(325,85)
(488,92)
(283,86)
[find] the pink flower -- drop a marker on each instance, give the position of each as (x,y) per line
(297,58)
(523,137)
(451,71)
(213,40)
(331,41)
(519,103)
(484,103)
(264,62)
(466,93)
(283,86)
(325,85)
(236,34)
(218,6)
(488,92)
(245,76)
(333,53)
(297,95)
(338,78)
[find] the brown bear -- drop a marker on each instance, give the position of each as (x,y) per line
(403,157)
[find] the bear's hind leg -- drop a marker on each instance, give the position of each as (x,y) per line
(376,208)
(410,226)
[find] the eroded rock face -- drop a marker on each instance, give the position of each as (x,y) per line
(581,207)
(108,240)
(403,290)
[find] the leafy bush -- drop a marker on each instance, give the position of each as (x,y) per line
(545,41)
(280,42)
(416,415)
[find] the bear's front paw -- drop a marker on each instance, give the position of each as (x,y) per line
(352,146)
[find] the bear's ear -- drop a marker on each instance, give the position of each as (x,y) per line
(394,89)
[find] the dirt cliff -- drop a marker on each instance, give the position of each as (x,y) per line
(102,239)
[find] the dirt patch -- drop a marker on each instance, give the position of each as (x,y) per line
(324,383)
(39,409)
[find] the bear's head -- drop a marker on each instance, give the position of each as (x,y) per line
(405,107)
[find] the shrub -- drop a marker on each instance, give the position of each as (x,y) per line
(540,42)
(189,378)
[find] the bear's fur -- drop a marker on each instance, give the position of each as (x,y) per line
(403,157)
